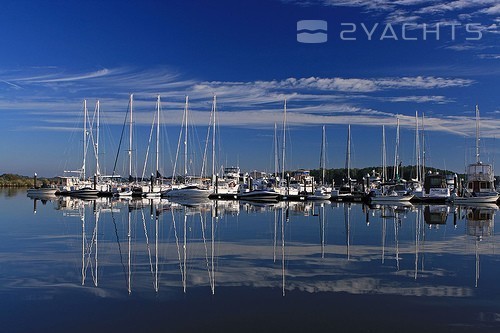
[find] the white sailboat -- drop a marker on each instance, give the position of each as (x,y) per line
(286,185)
(83,188)
(187,190)
(388,193)
(348,191)
(125,191)
(261,189)
(228,185)
(155,187)
(427,187)
(322,192)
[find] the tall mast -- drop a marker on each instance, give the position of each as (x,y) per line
(185,139)
(156,247)
(214,110)
(98,171)
(423,149)
(323,157)
(157,135)
(129,237)
(84,137)
(384,156)
(284,143)
(348,155)
(276,159)
(130,137)
(477,134)
(417,148)
(283,220)
(82,217)
(96,217)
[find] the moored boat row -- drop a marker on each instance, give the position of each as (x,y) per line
(479,186)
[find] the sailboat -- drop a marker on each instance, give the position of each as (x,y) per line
(125,190)
(427,187)
(187,190)
(83,187)
(348,190)
(260,190)
(155,187)
(480,185)
(389,192)
(322,192)
(228,185)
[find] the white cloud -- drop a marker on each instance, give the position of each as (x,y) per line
(62,78)
(493,10)
(420,99)
(11,84)
(348,84)
(489,56)
(312,100)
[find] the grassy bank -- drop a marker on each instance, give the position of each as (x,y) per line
(13,180)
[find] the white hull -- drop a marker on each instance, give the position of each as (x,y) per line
(226,190)
(42,191)
(187,192)
(84,192)
(479,199)
(259,195)
(152,194)
(434,194)
(319,197)
(391,198)
(321,193)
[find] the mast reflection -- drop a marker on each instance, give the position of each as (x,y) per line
(163,246)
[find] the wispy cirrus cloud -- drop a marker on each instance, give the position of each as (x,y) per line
(10,84)
(354,84)
(420,99)
(56,77)
(54,97)
(119,81)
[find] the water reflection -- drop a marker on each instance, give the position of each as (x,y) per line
(161,245)
(480,225)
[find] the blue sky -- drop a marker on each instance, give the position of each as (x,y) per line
(55,54)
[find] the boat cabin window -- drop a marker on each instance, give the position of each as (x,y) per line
(436,182)
(480,169)
(484,185)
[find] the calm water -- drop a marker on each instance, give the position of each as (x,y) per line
(69,265)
